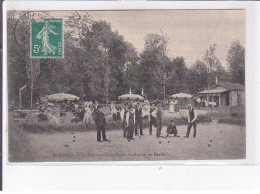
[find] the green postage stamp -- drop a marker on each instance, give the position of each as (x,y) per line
(47,38)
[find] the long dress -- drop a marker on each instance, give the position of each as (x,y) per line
(47,47)
(146,112)
(171,110)
(87,115)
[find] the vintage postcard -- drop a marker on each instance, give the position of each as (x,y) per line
(126,85)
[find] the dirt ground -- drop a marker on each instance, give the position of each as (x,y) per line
(214,141)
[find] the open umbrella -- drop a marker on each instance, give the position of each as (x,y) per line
(131,97)
(59,97)
(181,95)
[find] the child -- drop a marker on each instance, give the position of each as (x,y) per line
(171,129)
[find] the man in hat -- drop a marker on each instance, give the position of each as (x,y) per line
(130,123)
(153,115)
(100,123)
(159,120)
(138,119)
(192,118)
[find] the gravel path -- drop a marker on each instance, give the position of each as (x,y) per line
(214,141)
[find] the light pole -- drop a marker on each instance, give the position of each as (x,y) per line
(20,96)
(33,72)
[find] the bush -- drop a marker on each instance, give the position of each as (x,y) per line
(48,128)
(111,125)
(233,121)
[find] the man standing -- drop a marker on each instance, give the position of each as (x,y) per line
(192,118)
(138,119)
(159,120)
(153,115)
(100,123)
(123,118)
(130,123)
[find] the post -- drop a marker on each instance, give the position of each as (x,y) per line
(20,96)
(20,99)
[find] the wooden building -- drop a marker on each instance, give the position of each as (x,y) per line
(224,94)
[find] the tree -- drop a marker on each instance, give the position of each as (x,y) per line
(156,42)
(100,62)
(152,65)
(197,77)
(236,61)
(18,29)
(94,52)
(214,67)
(177,76)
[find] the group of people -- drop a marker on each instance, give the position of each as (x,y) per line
(132,117)
(130,114)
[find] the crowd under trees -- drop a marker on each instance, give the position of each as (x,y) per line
(100,65)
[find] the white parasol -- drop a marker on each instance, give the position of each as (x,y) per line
(181,95)
(59,97)
(131,96)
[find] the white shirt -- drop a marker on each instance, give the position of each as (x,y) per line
(154,113)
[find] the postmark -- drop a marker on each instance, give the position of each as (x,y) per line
(47,38)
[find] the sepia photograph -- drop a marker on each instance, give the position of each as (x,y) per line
(126,85)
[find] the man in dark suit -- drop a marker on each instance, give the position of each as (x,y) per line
(153,115)
(192,121)
(159,120)
(138,119)
(100,123)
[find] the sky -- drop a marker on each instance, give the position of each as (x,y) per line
(190,32)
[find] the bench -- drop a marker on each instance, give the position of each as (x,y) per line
(63,114)
(18,120)
(75,120)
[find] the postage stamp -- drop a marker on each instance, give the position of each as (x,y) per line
(47,38)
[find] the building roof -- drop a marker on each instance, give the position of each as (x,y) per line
(231,86)
(212,91)
(225,87)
